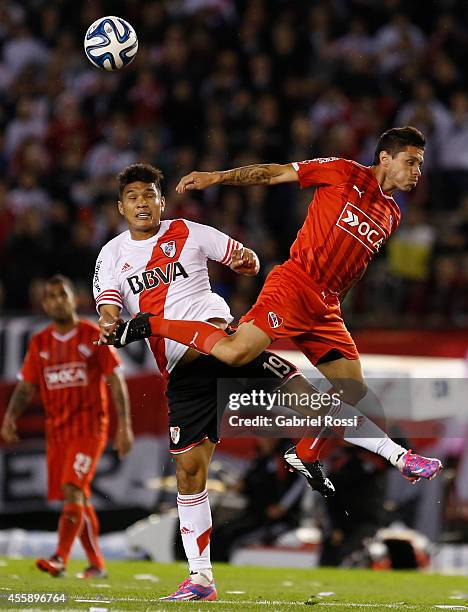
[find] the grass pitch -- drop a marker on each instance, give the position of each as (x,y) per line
(137,585)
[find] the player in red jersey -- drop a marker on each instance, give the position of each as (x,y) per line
(350,216)
(70,373)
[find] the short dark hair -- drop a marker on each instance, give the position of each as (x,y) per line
(146,173)
(397,139)
(60,279)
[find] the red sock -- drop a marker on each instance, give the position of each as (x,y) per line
(70,524)
(198,334)
(89,537)
(309,449)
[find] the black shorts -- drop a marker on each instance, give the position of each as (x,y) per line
(192,394)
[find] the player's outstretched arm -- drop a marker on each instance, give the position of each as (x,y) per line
(18,403)
(245,261)
(257,174)
(124,434)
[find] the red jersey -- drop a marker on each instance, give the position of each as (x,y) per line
(69,371)
(348,220)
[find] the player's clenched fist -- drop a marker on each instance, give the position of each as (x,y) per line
(245,261)
(108,323)
(196,180)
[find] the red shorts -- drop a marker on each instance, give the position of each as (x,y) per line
(73,462)
(290,306)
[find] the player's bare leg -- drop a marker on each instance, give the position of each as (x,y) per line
(241,347)
(70,525)
(192,468)
(347,380)
(195,523)
(236,349)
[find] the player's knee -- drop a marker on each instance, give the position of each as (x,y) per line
(72,494)
(354,392)
(191,477)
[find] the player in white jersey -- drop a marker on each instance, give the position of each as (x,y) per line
(161,267)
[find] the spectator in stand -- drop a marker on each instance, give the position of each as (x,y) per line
(221,85)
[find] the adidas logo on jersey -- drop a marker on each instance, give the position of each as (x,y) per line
(185,530)
(150,279)
(126,267)
(356,222)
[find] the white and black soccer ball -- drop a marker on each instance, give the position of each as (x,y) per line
(110,43)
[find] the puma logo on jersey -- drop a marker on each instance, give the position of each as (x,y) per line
(66,375)
(150,279)
(358,224)
(359,191)
(169,248)
(192,341)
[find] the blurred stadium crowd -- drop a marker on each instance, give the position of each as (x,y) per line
(216,84)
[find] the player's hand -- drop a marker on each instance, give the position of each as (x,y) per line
(8,431)
(196,180)
(245,261)
(107,326)
(123,439)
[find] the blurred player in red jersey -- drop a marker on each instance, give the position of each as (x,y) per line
(70,373)
(350,216)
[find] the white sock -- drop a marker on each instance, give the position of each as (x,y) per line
(370,437)
(205,577)
(195,528)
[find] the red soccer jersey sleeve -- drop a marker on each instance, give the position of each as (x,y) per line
(30,372)
(322,171)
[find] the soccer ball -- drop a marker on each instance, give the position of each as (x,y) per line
(110,43)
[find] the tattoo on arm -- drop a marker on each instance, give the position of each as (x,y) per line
(120,396)
(20,399)
(257,174)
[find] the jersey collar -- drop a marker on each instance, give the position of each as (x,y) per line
(65,337)
(148,241)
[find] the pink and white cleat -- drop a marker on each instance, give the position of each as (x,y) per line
(192,591)
(414,467)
